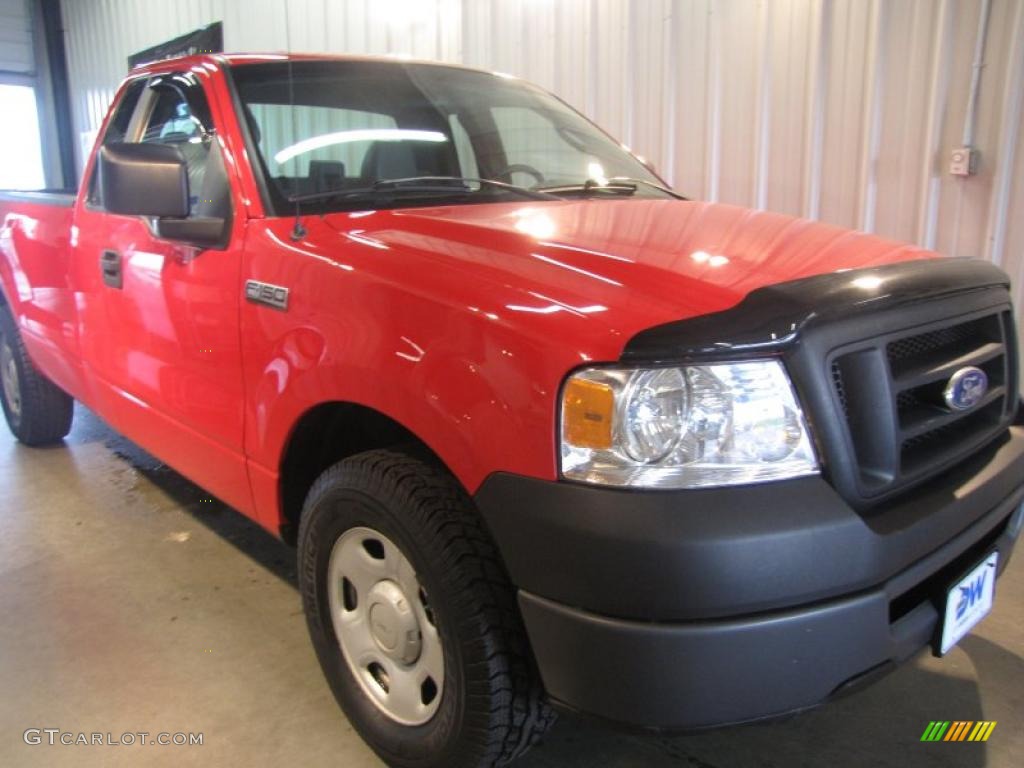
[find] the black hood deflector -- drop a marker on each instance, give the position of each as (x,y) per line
(772,318)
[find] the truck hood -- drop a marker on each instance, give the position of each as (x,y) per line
(627,264)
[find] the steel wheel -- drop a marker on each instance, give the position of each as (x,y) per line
(9,375)
(384,626)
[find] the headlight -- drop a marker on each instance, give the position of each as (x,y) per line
(685,427)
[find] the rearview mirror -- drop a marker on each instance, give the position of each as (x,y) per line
(144,180)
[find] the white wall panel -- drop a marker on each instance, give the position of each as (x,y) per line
(844,110)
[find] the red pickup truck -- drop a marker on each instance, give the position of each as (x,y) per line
(547,434)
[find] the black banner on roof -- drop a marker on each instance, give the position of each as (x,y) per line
(206,40)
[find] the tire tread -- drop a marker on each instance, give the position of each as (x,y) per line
(46,410)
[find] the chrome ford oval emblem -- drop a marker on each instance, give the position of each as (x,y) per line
(966,388)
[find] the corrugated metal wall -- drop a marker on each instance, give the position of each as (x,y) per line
(16,50)
(844,110)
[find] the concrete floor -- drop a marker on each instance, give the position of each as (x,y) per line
(131,601)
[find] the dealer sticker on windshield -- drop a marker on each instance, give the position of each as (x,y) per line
(969,602)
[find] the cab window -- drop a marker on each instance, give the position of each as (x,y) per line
(179,114)
(117,131)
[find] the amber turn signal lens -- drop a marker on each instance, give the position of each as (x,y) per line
(587,414)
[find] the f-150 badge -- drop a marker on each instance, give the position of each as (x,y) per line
(264,293)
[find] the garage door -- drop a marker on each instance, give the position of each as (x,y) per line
(16,38)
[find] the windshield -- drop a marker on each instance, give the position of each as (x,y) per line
(322,127)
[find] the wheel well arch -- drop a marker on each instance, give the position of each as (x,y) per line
(326,434)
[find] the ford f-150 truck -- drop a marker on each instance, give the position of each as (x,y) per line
(548,436)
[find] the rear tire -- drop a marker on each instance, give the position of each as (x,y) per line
(490,707)
(37,411)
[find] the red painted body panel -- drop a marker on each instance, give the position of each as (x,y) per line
(35,274)
(459,322)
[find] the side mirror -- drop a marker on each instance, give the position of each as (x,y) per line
(152,180)
(144,180)
(201,231)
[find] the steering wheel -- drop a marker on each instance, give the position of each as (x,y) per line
(506,172)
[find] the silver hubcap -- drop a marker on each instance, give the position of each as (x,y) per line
(385,627)
(9,373)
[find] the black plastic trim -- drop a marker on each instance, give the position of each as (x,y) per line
(774,317)
(696,555)
(810,365)
(200,231)
(144,180)
(691,675)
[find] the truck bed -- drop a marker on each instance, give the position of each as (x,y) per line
(61,197)
(35,235)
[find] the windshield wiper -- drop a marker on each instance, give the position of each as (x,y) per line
(646,183)
(619,185)
(420,185)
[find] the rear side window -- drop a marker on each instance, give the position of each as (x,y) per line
(117,130)
(179,114)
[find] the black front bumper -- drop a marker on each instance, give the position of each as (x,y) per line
(681,609)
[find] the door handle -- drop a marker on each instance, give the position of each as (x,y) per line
(110,267)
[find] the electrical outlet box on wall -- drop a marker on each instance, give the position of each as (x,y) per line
(963,161)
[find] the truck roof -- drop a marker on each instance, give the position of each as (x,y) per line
(241,59)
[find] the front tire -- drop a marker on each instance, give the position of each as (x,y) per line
(36,410)
(413,618)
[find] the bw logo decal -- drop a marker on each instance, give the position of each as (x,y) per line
(958,730)
(969,595)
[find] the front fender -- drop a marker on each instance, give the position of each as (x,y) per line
(437,352)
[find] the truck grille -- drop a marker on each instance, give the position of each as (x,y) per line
(922,364)
(887,394)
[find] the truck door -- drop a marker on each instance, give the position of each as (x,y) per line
(89,237)
(169,348)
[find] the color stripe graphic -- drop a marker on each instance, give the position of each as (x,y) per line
(958,730)
(982,731)
(935,731)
